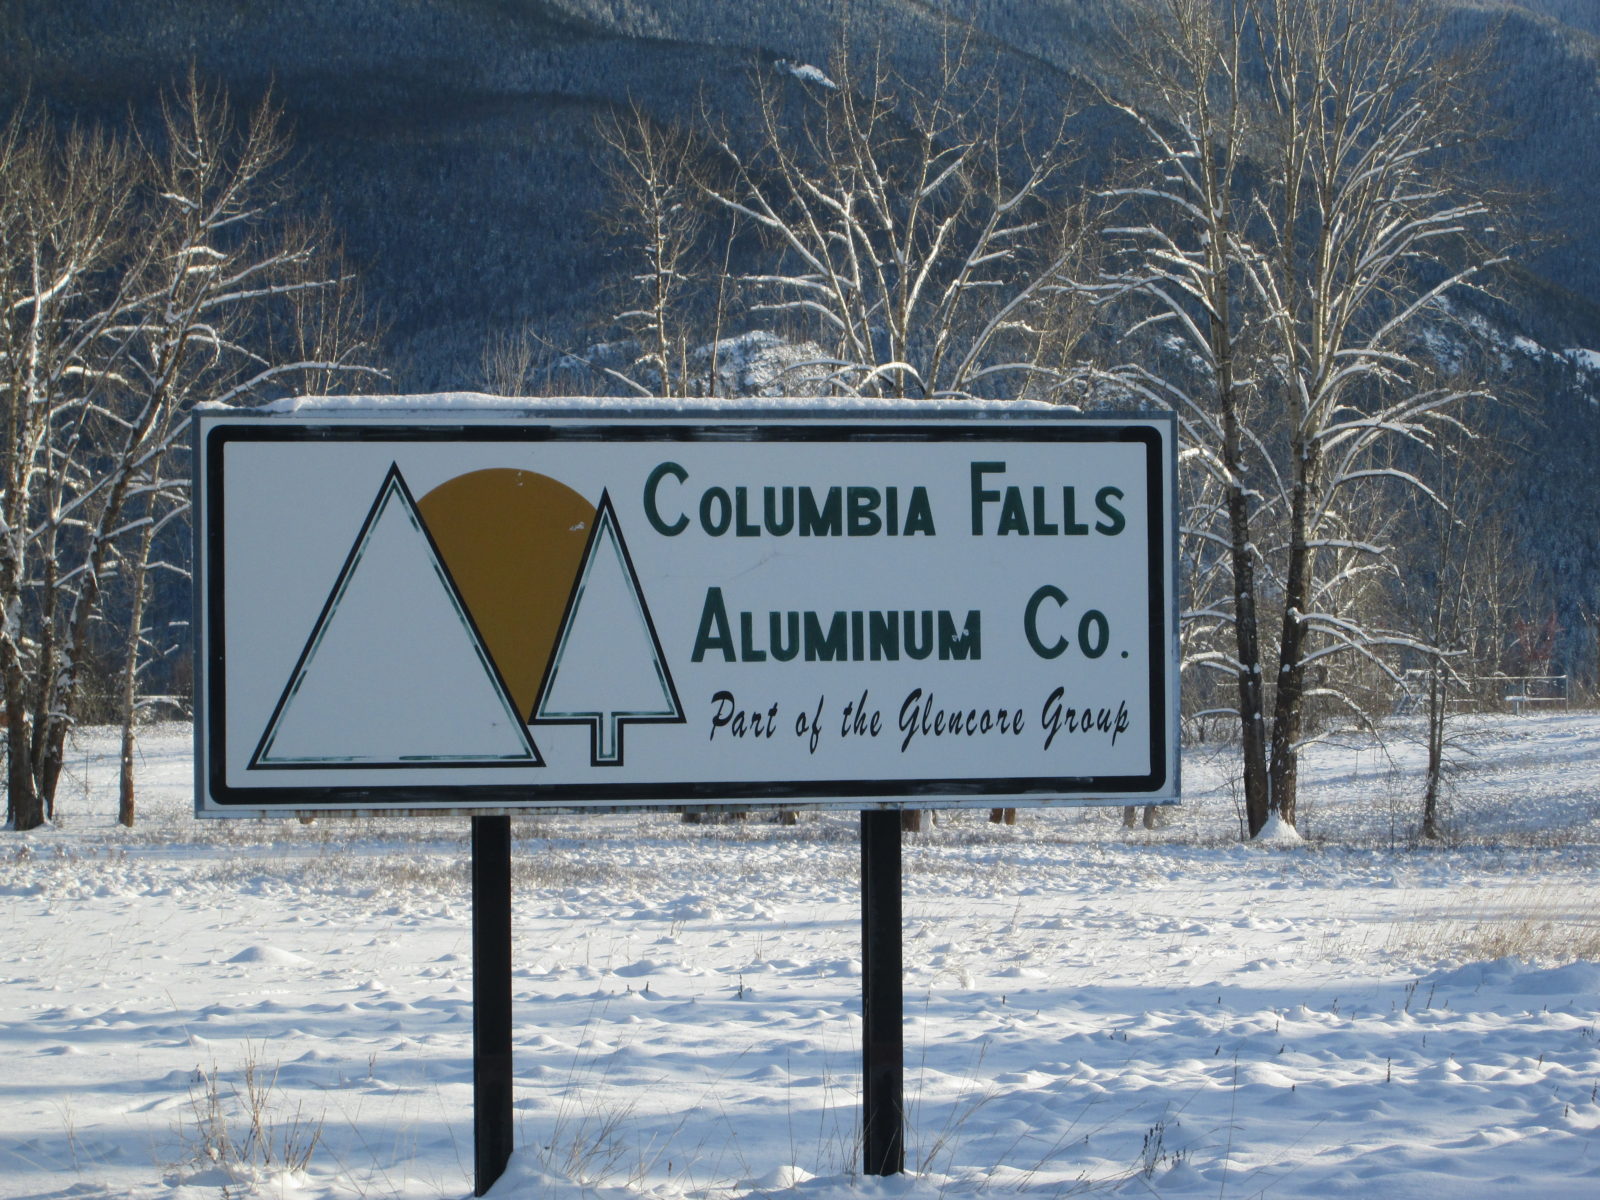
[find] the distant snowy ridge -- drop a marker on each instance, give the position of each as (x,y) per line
(807,73)
(1588,360)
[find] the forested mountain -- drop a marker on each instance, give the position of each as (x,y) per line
(454,140)
(454,144)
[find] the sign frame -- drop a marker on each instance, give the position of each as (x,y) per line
(415,419)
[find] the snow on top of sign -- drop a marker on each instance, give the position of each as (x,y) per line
(478,402)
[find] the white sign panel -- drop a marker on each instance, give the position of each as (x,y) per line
(598,608)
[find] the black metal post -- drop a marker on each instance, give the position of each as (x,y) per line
(882,1000)
(491,999)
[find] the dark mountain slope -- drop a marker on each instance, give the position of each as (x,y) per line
(453,142)
(453,139)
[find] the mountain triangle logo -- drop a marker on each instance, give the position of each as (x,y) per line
(499,601)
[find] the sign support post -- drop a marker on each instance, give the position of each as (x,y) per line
(491,999)
(882,998)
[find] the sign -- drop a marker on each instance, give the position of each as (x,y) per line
(600,608)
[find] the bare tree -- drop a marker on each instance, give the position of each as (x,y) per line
(272,303)
(149,278)
(917,230)
(509,359)
(1462,577)
(1301,222)
(658,179)
(137,565)
(64,220)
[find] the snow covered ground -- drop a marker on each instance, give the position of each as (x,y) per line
(1089,1010)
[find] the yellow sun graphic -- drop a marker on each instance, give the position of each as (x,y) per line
(513,541)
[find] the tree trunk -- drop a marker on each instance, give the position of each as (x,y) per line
(1436,718)
(1247,637)
(59,700)
(125,777)
(1288,713)
(130,662)
(22,794)
(130,687)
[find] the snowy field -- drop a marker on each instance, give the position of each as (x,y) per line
(240,1008)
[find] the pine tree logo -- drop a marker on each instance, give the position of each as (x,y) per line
(607,669)
(500,600)
(395,672)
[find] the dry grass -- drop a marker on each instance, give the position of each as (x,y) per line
(439,874)
(247,1125)
(1536,923)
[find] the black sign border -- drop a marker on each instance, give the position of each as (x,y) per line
(637,425)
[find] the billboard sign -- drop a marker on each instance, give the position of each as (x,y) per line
(598,608)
